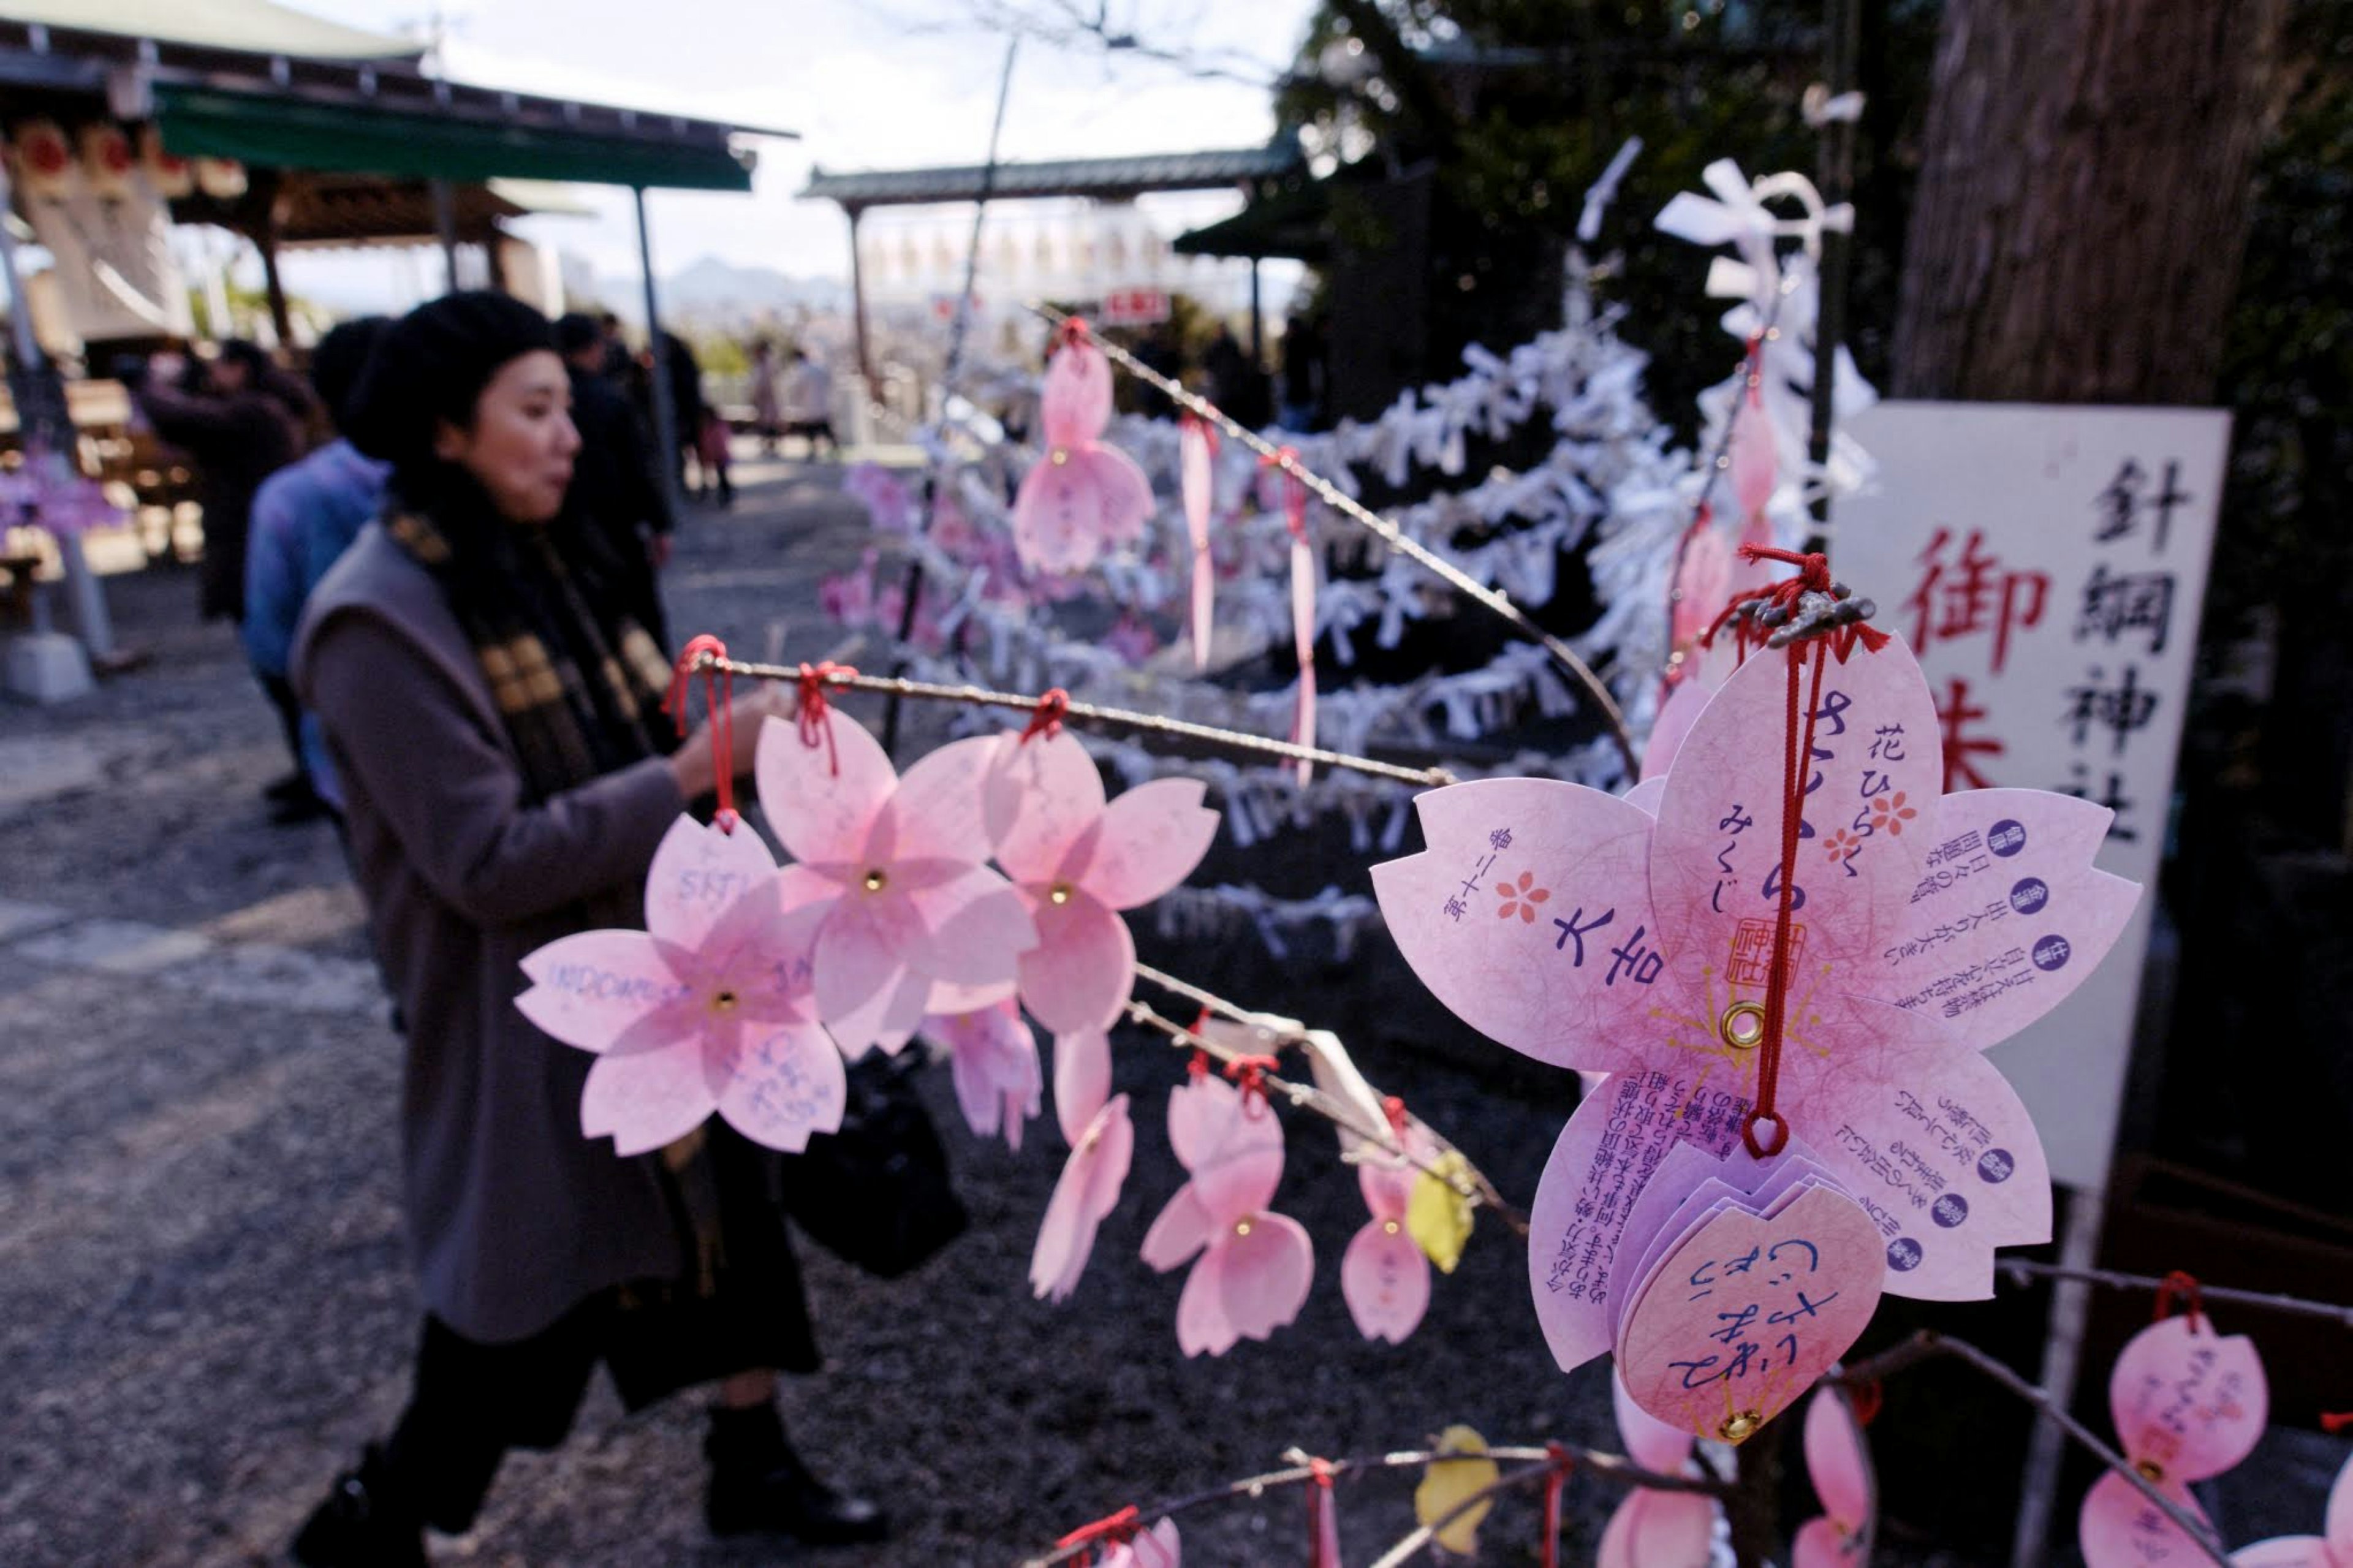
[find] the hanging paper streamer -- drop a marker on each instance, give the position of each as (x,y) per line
(1579,929)
(1839,1468)
(2189,1403)
(1078,861)
(1303,612)
(709,1008)
(894,863)
(1197,448)
(1253,1269)
(1082,496)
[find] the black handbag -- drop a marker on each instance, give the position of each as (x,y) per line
(877,1193)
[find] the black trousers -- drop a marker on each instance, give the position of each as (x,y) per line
(736,1308)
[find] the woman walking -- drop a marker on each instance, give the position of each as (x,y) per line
(492,709)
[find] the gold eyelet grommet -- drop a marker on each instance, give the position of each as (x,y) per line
(1743,1025)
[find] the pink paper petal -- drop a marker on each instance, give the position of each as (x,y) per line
(589,989)
(978,927)
(1649,1442)
(1235,1174)
(647,1099)
(993,1059)
(1714,876)
(1925,1135)
(765,951)
(1151,838)
(1065,512)
(865,992)
(1702,586)
(1529,916)
(935,813)
(1798,1289)
(1645,796)
(2120,1528)
(1659,1530)
(698,874)
(1199,1110)
(1835,1460)
(1129,505)
(2188,1402)
(1579,1255)
(947,997)
(1183,1228)
(1038,799)
(1155,1548)
(1820,1543)
(1266,1274)
(1202,1326)
(1387,1183)
(1755,463)
(2008,917)
(2338,1526)
(1384,1278)
(821,815)
(1087,1191)
(2286,1552)
(1673,725)
(1197,482)
(1074,400)
(1080,975)
(782,1083)
(1082,1078)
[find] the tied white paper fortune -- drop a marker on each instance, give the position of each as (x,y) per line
(1083,495)
(1196,461)
(2189,1403)
(711,1008)
(1582,931)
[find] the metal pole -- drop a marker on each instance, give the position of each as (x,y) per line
(914,588)
(444,227)
(2063,1354)
(1843,22)
(1257,322)
(857,302)
(666,436)
(43,421)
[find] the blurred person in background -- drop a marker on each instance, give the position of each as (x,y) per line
(229,416)
(304,517)
(493,711)
(767,404)
(676,361)
(809,402)
(616,483)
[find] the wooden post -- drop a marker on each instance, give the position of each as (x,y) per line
(275,200)
(666,431)
(858,298)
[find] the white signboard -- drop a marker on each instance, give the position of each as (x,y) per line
(114,262)
(2048,565)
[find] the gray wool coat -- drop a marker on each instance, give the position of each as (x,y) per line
(513,1216)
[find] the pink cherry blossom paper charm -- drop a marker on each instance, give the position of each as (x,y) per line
(894,866)
(1083,1197)
(1839,1468)
(1581,929)
(993,1058)
(1385,1275)
(709,1008)
(2188,1404)
(1251,1269)
(1081,495)
(1077,861)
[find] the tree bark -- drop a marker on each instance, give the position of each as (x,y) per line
(2087,172)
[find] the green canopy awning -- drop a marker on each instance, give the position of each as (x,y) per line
(286,132)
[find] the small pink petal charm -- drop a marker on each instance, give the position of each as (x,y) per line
(1659,1530)
(1820,1544)
(1747,1312)
(2187,1403)
(1385,1279)
(1155,1548)
(993,1058)
(1649,1442)
(1075,500)
(1197,451)
(1083,1197)
(1074,401)
(2118,1528)
(1082,1079)
(1836,1463)
(1080,975)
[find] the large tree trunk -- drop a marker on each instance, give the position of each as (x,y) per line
(2082,198)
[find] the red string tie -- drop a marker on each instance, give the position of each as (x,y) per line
(1321,1472)
(2333,1422)
(1294,489)
(1200,1066)
(1865,1397)
(1047,717)
(1113,1528)
(2185,1287)
(1562,1462)
(1796,761)
(1393,1108)
(1248,1073)
(708,655)
(1074,330)
(815,716)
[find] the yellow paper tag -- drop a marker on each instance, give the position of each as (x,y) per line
(1448,1482)
(1438,1216)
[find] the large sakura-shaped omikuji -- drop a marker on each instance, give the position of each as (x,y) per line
(1077,862)
(709,1008)
(1253,1267)
(1581,929)
(1081,495)
(894,866)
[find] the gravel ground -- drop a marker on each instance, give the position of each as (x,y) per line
(203,1308)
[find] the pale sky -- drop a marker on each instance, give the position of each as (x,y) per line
(881,84)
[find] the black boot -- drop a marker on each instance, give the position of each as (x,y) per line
(759,1483)
(364,1523)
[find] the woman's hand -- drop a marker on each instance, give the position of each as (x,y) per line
(693,765)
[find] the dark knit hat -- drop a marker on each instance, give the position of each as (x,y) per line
(338,362)
(432,365)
